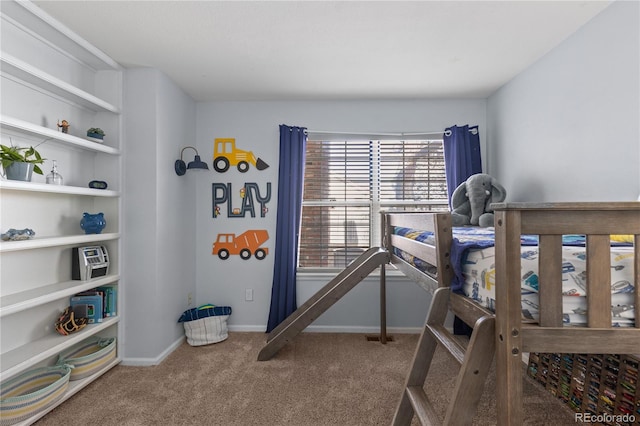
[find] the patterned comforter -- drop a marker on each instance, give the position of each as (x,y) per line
(473,260)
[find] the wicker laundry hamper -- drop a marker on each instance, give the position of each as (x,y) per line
(89,356)
(31,392)
(206,324)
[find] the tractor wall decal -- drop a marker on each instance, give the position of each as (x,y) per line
(225,154)
(246,244)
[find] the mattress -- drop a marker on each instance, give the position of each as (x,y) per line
(473,261)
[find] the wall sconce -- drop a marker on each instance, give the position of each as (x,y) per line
(196,164)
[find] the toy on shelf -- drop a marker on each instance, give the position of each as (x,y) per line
(18,234)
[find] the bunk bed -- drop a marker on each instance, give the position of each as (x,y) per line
(425,247)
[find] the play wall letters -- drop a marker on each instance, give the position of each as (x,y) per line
(249,197)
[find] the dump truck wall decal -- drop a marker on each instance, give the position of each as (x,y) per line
(225,155)
(248,197)
(246,244)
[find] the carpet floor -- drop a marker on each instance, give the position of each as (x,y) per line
(318,379)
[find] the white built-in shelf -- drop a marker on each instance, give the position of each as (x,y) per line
(16,185)
(36,243)
(12,303)
(21,126)
(35,76)
(74,387)
(52,32)
(27,356)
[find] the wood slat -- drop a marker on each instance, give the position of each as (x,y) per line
(581,222)
(446,339)
(550,280)
(423,251)
(466,309)
(473,374)
(581,340)
(422,356)
(415,220)
(599,281)
(636,279)
(508,333)
(422,407)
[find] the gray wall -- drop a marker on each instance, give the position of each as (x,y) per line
(159,214)
(255,127)
(568,127)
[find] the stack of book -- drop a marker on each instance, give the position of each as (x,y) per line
(95,304)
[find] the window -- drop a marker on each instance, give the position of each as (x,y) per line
(347,184)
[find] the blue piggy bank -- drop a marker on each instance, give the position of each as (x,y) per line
(93,223)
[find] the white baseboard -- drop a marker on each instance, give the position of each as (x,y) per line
(248,328)
(148,362)
(332,329)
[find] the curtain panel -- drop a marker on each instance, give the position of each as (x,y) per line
(293,142)
(461,160)
(461,155)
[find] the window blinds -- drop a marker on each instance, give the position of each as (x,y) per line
(347,183)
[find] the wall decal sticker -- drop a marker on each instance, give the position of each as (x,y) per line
(245,244)
(226,154)
(249,195)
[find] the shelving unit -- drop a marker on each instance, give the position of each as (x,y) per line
(24,127)
(16,302)
(49,73)
(598,384)
(23,71)
(36,243)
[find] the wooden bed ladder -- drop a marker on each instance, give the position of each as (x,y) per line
(475,363)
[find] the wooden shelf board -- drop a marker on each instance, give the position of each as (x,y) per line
(30,74)
(21,126)
(56,189)
(21,358)
(53,32)
(75,386)
(36,243)
(12,303)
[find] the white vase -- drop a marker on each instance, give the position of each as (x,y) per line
(20,171)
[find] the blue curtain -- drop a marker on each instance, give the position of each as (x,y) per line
(461,160)
(461,155)
(293,141)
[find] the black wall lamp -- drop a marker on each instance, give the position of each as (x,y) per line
(196,164)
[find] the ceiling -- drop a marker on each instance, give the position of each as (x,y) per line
(328,50)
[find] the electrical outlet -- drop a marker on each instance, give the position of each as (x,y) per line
(189,299)
(248,294)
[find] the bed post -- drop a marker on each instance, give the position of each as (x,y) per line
(383,282)
(508,317)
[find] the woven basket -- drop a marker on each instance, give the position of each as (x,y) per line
(206,324)
(206,331)
(31,392)
(88,356)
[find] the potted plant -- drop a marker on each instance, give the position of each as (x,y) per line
(19,162)
(95,133)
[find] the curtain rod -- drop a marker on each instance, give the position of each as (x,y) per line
(323,132)
(336,135)
(386,135)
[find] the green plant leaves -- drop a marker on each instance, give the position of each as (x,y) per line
(13,154)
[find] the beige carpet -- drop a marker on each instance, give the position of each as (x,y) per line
(318,379)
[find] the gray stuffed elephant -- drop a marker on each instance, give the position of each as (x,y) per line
(471,200)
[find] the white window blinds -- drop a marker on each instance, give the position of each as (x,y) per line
(347,184)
